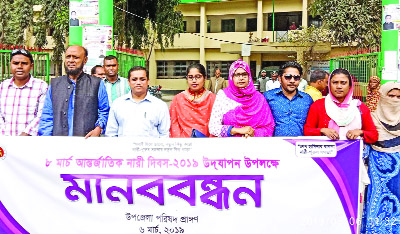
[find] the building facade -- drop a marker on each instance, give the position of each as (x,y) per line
(215,31)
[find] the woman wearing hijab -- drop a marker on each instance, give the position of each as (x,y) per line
(239,110)
(382,207)
(339,116)
(373,93)
(191,109)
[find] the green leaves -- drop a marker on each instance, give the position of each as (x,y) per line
(351,21)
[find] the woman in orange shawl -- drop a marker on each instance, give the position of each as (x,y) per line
(191,109)
(373,93)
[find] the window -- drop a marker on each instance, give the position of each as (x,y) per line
(184,26)
(228,25)
(223,65)
(284,19)
(208,26)
(316,21)
(251,25)
(197,26)
(173,69)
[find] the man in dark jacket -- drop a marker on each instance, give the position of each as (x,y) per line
(76,104)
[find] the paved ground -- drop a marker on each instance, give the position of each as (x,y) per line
(167,98)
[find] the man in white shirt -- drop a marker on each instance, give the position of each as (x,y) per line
(138,113)
(273,83)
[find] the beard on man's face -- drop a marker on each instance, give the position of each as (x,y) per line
(73,72)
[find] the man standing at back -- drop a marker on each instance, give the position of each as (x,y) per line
(76,104)
(21,98)
(318,83)
(289,106)
(116,86)
(217,82)
(262,81)
(138,113)
(273,83)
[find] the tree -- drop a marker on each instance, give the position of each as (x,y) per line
(15,17)
(351,21)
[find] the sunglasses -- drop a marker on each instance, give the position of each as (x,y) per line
(19,51)
(288,77)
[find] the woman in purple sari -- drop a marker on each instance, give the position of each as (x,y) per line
(239,110)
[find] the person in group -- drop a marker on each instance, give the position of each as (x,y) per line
(98,71)
(116,85)
(240,110)
(339,116)
(138,114)
(21,97)
(388,25)
(293,26)
(191,109)
(76,104)
(289,106)
(318,83)
(303,85)
(373,93)
(273,83)
(381,212)
(262,81)
(217,82)
(73,21)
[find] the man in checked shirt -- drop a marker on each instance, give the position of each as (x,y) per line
(21,98)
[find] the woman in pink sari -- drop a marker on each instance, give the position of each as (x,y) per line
(239,110)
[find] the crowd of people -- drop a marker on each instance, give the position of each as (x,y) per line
(80,104)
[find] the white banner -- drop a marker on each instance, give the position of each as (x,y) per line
(204,185)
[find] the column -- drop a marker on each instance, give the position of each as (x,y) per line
(203,28)
(304,20)
(260,21)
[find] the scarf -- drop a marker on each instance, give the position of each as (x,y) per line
(373,94)
(344,115)
(387,120)
(253,108)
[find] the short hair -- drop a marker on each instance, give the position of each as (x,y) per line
(137,68)
(73,12)
(93,71)
(110,57)
(344,72)
(387,16)
(318,75)
(199,67)
(23,52)
(292,64)
(217,68)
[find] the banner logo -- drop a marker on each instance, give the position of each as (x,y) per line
(2,153)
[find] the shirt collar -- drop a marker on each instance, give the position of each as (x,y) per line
(28,84)
(279,91)
(118,79)
(148,97)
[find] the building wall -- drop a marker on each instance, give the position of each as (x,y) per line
(191,47)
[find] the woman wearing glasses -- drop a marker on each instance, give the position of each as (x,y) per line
(191,109)
(239,109)
(339,116)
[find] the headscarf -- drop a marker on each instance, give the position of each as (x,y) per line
(344,115)
(254,107)
(373,94)
(387,120)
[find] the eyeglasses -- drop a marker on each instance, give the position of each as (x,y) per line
(288,77)
(19,51)
(244,74)
(195,77)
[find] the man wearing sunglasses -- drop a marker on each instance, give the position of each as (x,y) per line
(76,104)
(289,106)
(21,98)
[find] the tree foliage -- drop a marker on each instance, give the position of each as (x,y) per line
(15,17)
(154,21)
(351,21)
